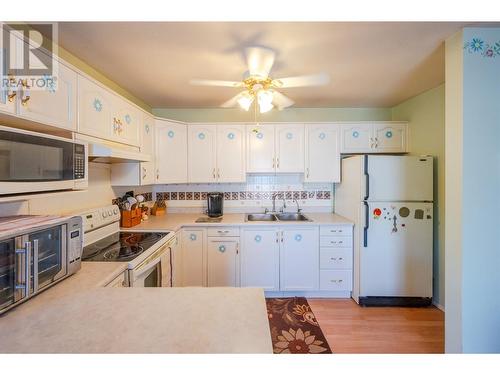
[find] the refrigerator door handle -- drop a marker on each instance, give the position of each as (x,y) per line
(367,179)
(366,226)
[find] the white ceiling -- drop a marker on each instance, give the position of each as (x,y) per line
(370,64)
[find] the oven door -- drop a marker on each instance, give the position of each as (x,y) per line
(155,271)
(31,162)
(13,271)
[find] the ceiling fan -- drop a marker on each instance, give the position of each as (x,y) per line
(259,87)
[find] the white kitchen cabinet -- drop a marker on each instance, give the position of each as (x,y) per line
(380,137)
(260,149)
(170,152)
(289,148)
(299,259)
(94,109)
(138,174)
(193,257)
(202,158)
(55,103)
(275,148)
(322,153)
(230,153)
(223,261)
(260,258)
(126,121)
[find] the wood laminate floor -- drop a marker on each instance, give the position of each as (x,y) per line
(350,328)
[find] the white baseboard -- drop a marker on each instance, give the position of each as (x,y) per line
(440,307)
(313,294)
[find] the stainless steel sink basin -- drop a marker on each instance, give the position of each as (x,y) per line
(292,217)
(260,217)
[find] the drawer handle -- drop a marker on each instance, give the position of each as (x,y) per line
(222,231)
(336,281)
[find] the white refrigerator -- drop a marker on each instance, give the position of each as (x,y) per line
(389,198)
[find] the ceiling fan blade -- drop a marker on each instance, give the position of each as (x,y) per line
(260,60)
(300,81)
(281,101)
(233,101)
(214,82)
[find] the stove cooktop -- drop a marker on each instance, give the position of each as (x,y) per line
(120,246)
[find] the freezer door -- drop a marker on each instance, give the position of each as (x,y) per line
(399,178)
(396,249)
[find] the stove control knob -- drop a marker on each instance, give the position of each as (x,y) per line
(104,214)
(110,212)
(115,211)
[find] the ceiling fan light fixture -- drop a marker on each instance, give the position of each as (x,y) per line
(265,99)
(245,101)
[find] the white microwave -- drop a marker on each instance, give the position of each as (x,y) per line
(34,162)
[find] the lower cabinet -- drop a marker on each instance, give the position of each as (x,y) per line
(260,258)
(299,259)
(193,257)
(223,261)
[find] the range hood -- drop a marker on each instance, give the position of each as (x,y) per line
(104,153)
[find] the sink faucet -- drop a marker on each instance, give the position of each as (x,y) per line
(284,205)
(298,208)
(274,202)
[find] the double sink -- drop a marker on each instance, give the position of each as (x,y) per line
(277,217)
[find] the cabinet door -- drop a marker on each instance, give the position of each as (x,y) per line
(193,257)
(230,153)
(54,103)
(260,148)
(125,123)
(94,109)
(322,153)
(260,259)
(7,105)
(299,259)
(290,148)
(390,137)
(357,138)
(201,153)
(171,152)
(222,258)
(147,147)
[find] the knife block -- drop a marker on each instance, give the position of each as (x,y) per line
(130,218)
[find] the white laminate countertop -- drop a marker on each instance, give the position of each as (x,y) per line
(78,315)
(175,221)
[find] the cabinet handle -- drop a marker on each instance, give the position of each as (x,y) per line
(274,163)
(307,172)
(237,248)
(277,163)
(26,92)
(157,174)
(281,236)
(144,174)
(218,173)
(213,173)
(376,142)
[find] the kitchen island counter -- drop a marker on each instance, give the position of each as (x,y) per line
(141,320)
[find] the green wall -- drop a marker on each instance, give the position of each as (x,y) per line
(290,114)
(425,114)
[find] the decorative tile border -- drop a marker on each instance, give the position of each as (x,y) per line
(246,195)
(479,46)
(148,197)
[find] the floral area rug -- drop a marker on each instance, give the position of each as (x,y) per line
(294,328)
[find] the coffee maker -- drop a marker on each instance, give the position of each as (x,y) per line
(215,203)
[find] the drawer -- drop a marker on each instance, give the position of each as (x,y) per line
(335,230)
(337,259)
(223,232)
(335,280)
(335,241)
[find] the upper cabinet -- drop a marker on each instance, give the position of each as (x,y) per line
(275,148)
(216,153)
(231,153)
(202,164)
(382,137)
(94,109)
(55,103)
(322,153)
(126,121)
(171,152)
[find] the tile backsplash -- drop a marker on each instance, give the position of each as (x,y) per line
(256,192)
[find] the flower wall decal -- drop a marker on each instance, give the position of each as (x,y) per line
(97,105)
(479,46)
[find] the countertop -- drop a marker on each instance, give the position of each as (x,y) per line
(78,315)
(175,221)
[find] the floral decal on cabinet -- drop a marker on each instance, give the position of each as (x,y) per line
(479,46)
(322,136)
(222,248)
(128,119)
(230,136)
(170,134)
(97,105)
(388,134)
(50,83)
(355,134)
(146,127)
